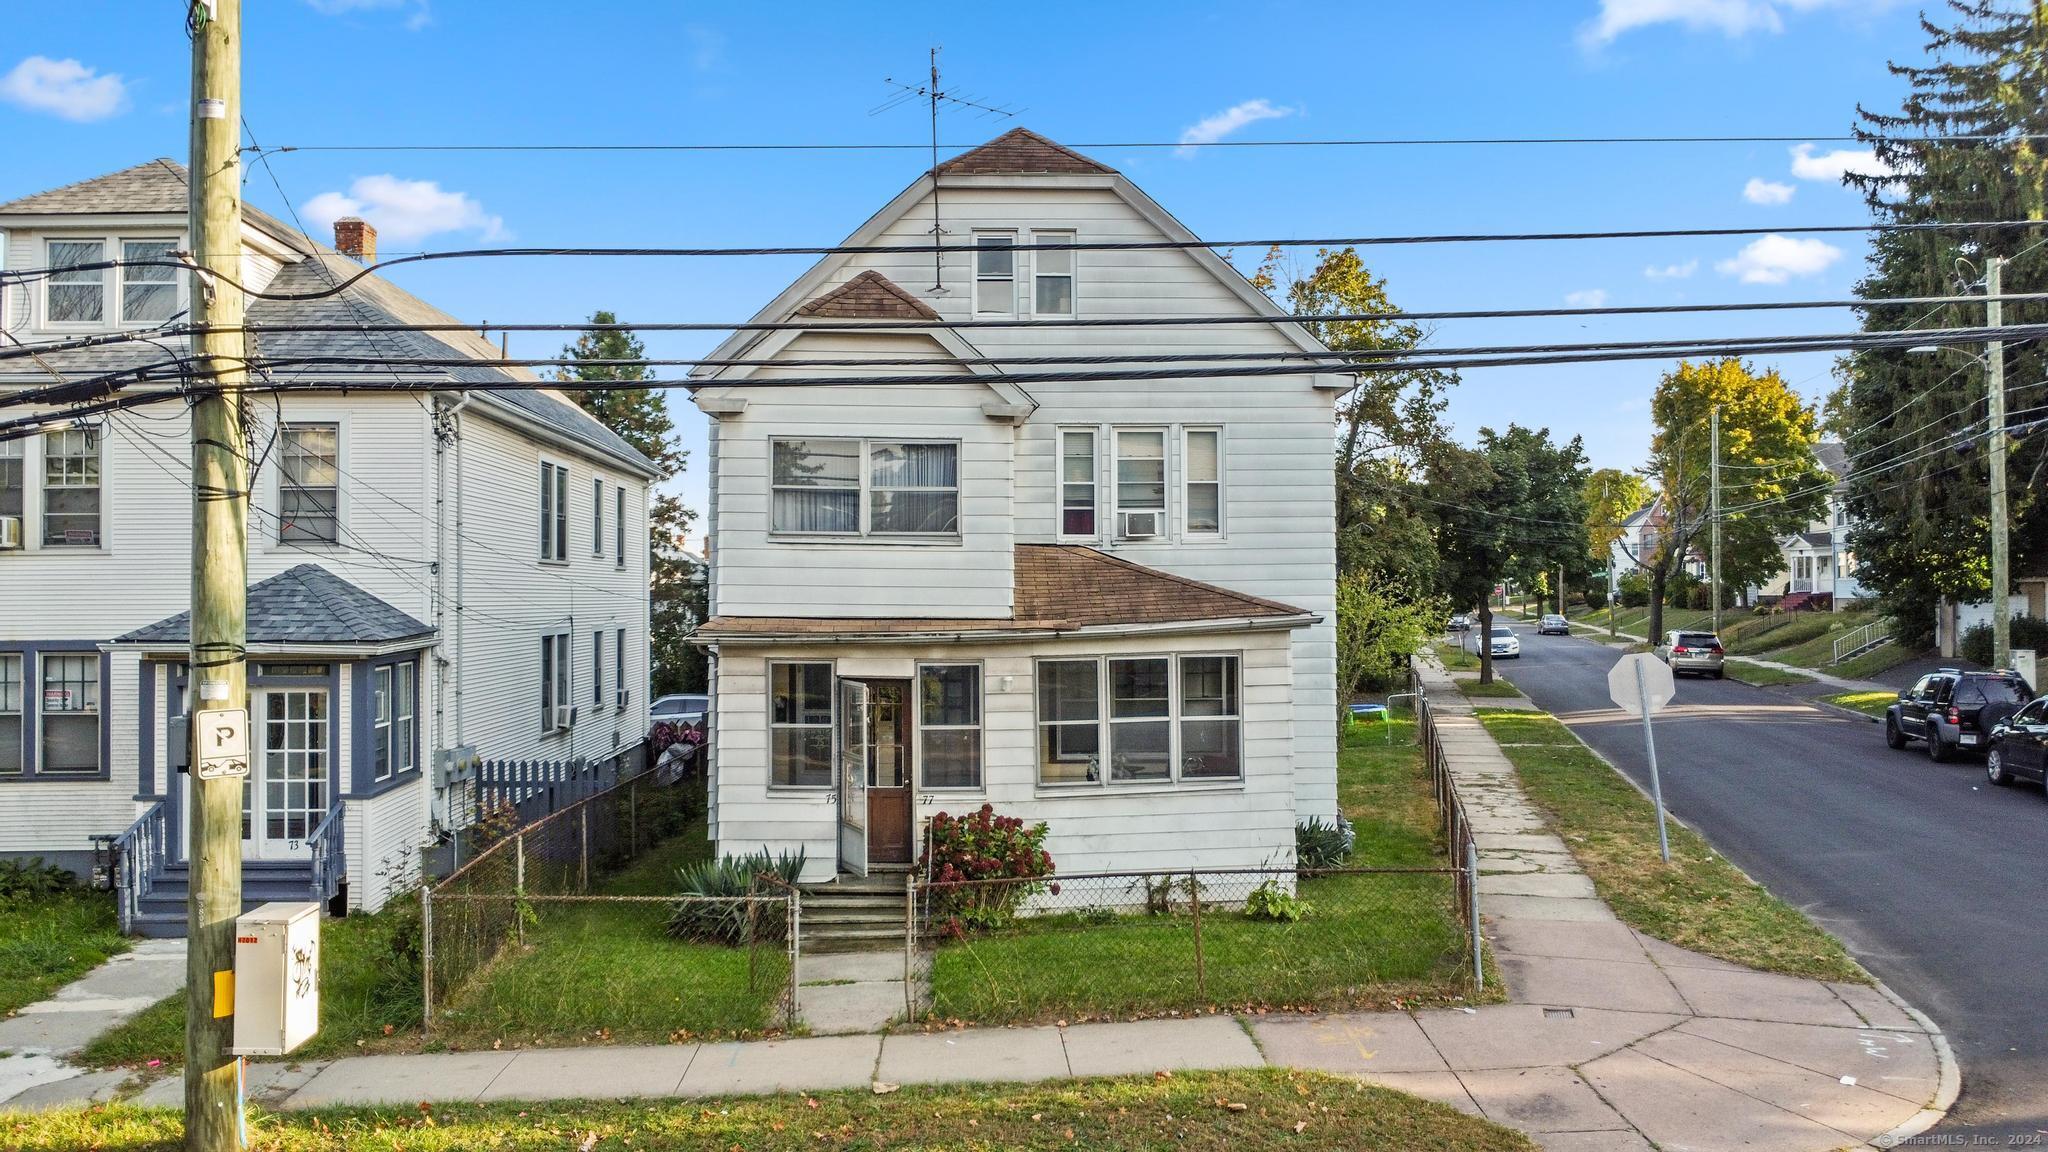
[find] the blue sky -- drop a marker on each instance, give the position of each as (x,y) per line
(94,86)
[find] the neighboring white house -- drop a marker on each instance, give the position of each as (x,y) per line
(1107,605)
(1817,559)
(429,571)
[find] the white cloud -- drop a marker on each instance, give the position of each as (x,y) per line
(1832,166)
(1672,271)
(1729,17)
(64,88)
(1589,298)
(1774,259)
(404,210)
(1761,191)
(1213,128)
(420,16)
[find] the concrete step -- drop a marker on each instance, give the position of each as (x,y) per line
(852,918)
(852,900)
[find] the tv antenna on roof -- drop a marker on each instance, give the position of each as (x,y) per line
(933,96)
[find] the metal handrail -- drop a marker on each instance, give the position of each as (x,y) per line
(330,853)
(1858,640)
(139,858)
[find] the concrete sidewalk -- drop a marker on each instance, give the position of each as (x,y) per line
(37,1041)
(1612,1041)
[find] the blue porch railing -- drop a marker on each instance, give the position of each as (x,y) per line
(140,854)
(330,854)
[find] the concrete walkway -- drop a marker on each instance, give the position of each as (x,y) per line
(37,1040)
(844,992)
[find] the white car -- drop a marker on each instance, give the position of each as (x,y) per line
(1506,645)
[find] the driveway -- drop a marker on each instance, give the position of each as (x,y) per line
(1934,878)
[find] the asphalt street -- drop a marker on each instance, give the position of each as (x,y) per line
(1935,879)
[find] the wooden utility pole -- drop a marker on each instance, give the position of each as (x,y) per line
(1714,498)
(2001,556)
(220,509)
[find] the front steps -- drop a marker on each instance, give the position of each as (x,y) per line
(162,913)
(854,914)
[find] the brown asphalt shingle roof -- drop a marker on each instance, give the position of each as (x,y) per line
(869,296)
(1022,152)
(1059,588)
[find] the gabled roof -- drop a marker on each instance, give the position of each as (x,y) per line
(302,605)
(159,187)
(1022,152)
(1057,588)
(869,296)
(1833,455)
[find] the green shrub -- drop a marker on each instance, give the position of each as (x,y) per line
(32,879)
(965,852)
(1269,901)
(2026,632)
(1596,598)
(1976,644)
(726,919)
(1635,590)
(1320,845)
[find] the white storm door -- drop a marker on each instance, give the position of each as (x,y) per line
(853,777)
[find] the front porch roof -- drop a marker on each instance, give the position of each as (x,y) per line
(302,606)
(1058,588)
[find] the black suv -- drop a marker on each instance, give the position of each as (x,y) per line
(1954,710)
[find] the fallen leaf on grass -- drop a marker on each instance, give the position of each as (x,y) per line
(883,1089)
(588,1143)
(1299,1125)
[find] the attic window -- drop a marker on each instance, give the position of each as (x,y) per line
(76,296)
(1052,276)
(995,274)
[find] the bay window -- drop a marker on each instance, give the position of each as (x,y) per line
(949,725)
(1077,482)
(1163,719)
(849,487)
(800,725)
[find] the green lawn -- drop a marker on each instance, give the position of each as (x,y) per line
(49,941)
(1452,656)
(1763,677)
(1498,688)
(1868,703)
(1368,941)
(1699,900)
(1250,1111)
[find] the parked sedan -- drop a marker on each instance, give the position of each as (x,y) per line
(1553,625)
(1506,645)
(1460,623)
(2019,746)
(1699,653)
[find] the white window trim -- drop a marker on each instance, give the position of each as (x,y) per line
(832,723)
(619,525)
(1222,485)
(1115,529)
(1174,782)
(866,533)
(1057,236)
(274,486)
(975,277)
(110,283)
(35,507)
(597,516)
(980,727)
(564,496)
(1059,483)
(562,651)
(619,669)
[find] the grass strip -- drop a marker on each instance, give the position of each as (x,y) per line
(1498,689)
(1873,704)
(1698,901)
(47,942)
(1762,675)
(1249,1111)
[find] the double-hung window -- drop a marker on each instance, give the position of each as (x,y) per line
(800,725)
(1052,275)
(10,714)
(847,487)
(554,511)
(72,294)
(995,274)
(149,291)
(391,733)
(597,516)
(597,669)
(1140,477)
(949,725)
(619,525)
(71,488)
(1157,720)
(619,666)
(309,475)
(13,477)
(69,717)
(554,682)
(1202,476)
(1077,482)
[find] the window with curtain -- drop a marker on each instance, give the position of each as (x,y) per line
(1203,471)
(1053,276)
(995,274)
(949,725)
(1140,719)
(309,484)
(816,486)
(1140,470)
(74,295)
(1077,482)
(597,516)
(913,488)
(1209,718)
(149,292)
(69,717)
(71,488)
(800,725)
(1069,722)
(10,714)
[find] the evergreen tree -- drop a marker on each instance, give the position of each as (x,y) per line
(605,353)
(1915,423)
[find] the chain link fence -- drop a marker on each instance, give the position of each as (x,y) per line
(578,926)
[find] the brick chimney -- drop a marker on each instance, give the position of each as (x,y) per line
(354,237)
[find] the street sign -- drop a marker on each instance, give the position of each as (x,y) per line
(223,737)
(1627,690)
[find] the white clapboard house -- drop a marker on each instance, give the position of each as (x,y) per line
(1107,605)
(429,571)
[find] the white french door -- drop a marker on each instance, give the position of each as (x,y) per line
(287,791)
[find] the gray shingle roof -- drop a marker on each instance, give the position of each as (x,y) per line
(1833,456)
(302,605)
(159,186)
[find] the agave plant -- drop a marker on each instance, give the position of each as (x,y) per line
(725,918)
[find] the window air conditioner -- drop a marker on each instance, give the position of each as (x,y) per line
(10,532)
(564,716)
(1140,525)
(623,697)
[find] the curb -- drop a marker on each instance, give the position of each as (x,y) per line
(1949,1076)
(1851,713)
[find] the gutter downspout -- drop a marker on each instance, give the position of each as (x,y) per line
(451,431)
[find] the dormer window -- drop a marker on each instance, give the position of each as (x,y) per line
(149,292)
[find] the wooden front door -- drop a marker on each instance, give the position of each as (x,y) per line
(889,768)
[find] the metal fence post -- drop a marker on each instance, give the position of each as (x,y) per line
(795,922)
(519,883)
(426,959)
(909,944)
(583,848)
(1472,898)
(1195,901)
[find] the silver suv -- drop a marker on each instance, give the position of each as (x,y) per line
(1699,653)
